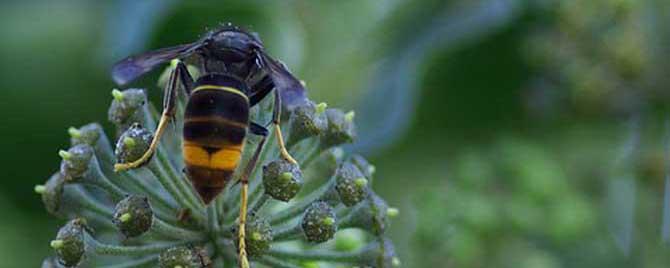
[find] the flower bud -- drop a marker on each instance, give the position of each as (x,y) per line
(182,256)
(75,161)
(310,264)
(69,243)
(341,128)
(126,107)
(351,185)
(52,193)
(307,120)
(319,222)
(282,180)
(132,144)
(258,237)
(133,216)
(86,134)
(371,215)
(349,240)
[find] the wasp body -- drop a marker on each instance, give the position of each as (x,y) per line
(215,125)
(237,74)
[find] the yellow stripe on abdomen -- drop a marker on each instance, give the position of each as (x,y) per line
(226,158)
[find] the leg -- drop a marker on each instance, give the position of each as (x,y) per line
(263,88)
(276,115)
(244,179)
(169,107)
(258,129)
(186,79)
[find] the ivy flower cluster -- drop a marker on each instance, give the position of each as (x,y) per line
(319,213)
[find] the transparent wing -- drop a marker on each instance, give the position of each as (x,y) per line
(291,90)
(133,67)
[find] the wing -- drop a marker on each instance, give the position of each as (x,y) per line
(291,90)
(133,67)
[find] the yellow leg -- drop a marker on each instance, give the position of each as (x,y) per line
(244,179)
(282,147)
(244,262)
(169,100)
(152,147)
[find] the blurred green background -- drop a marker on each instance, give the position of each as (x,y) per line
(509,133)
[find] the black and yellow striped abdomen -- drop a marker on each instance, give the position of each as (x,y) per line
(215,126)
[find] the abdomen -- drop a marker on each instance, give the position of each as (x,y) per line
(215,125)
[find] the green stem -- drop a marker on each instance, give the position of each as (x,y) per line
(95,219)
(213,220)
(347,218)
(160,201)
(270,261)
(103,149)
(302,150)
(142,262)
(288,233)
(313,154)
(226,248)
(168,230)
(106,249)
(317,255)
(172,189)
(220,207)
(259,203)
(151,116)
(87,201)
(299,207)
(182,186)
(100,180)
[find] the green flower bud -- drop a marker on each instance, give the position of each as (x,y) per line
(69,243)
(133,216)
(349,240)
(307,120)
(75,161)
(86,134)
(282,180)
(52,193)
(258,237)
(310,264)
(319,223)
(126,107)
(132,143)
(191,257)
(392,212)
(40,189)
(371,215)
(351,185)
(341,128)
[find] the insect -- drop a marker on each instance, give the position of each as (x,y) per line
(237,75)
